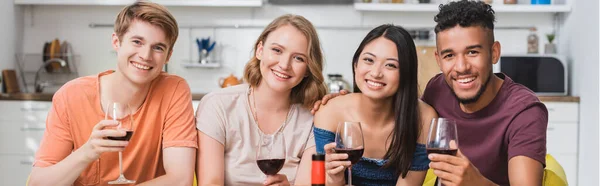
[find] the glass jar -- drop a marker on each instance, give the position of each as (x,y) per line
(337,83)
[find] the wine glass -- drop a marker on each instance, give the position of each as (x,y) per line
(442,138)
(270,156)
(121,113)
(349,140)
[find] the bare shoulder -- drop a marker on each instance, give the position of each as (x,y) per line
(331,113)
(427,114)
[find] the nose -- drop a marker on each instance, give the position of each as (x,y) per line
(461,65)
(376,71)
(284,62)
(145,53)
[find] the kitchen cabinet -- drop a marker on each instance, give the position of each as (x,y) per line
(562,136)
(209,3)
(14,169)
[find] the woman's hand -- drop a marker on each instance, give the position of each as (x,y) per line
(335,164)
(277,180)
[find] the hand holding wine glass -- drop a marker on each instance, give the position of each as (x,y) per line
(270,157)
(349,140)
(98,142)
(446,157)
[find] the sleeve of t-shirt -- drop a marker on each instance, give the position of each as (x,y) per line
(57,142)
(527,134)
(210,118)
(179,130)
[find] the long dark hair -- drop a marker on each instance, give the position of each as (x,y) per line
(405,102)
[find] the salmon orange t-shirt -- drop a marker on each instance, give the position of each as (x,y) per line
(165,119)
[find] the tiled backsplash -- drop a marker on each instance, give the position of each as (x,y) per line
(234,45)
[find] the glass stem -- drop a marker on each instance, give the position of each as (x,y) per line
(349,175)
(439,182)
(121,162)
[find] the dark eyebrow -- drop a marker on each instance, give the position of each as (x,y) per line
(474,46)
(446,51)
(392,59)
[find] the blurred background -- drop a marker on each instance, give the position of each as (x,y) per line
(550,46)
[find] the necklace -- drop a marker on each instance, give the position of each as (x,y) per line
(255,112)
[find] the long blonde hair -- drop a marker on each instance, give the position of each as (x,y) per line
(312,88)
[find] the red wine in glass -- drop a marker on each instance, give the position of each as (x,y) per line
(442,138)
(353,154)
(270,166)
(442,151)
(270,156)
(122,138)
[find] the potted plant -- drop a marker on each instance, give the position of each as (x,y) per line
(550,48)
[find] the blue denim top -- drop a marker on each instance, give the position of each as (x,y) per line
(370,171)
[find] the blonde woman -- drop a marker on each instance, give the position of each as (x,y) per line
(284,80)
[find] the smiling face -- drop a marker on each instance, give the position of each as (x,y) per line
(465,56)
(141,52)
(376,72)
(283,58)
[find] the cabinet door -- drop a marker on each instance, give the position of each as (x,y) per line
(33,111)
(19,137)
(14,169)
(562,112)
(561,138)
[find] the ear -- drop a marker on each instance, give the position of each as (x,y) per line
(496,52)
(437,59)
(169,56)
(259,50)
(116,43)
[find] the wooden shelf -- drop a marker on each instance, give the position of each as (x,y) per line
(207,3)
(434,8)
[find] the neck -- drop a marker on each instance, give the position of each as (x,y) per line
(117,88)
(376,112)
(269,100)
(486,97)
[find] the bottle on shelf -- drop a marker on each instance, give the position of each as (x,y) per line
(317,177)
(532,41)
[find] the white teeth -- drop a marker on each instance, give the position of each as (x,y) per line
(375,84)
(465,80)
(140,66)
(280,75)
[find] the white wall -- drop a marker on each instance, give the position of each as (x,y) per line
(581,35)
(44,23)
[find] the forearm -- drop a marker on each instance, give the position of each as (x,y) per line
(171,179)
(64,172)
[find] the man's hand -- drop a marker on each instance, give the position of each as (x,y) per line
(277,180)
(456,170)
(325,99)
(98,142)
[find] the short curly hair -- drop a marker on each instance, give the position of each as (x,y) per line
(465,13)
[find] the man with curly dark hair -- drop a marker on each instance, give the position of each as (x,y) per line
(501,124)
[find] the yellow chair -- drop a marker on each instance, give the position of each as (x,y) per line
(554,175)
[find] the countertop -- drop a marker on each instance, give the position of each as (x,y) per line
(48,96)
(198,96)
